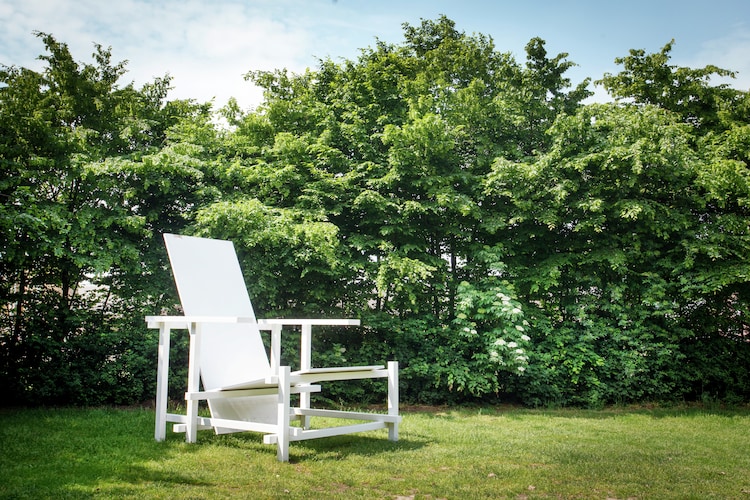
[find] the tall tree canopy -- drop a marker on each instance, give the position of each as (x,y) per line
(497,234)
(73,220)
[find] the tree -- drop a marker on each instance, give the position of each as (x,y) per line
(715,273)
(650,79)
(69,226)
(494,234)
(604,236)
(390,150)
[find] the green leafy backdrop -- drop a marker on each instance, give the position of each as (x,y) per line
(500,236)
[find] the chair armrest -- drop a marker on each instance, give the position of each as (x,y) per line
(185,321)
(310,322)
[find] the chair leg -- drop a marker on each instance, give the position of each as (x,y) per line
(162,384)
(393,398)
(282,418)
(191,433)
(305,364)
(305,404)
(194,380)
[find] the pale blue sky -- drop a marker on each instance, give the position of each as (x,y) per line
(208,45)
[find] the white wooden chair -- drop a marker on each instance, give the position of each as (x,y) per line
(244,391)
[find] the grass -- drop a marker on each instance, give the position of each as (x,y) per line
(443,453)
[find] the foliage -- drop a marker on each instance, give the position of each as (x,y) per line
(496,235)
(650,79)
(77,222)
(491,332)
(279,238)
(607,233)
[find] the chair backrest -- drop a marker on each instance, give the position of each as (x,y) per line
(210,283)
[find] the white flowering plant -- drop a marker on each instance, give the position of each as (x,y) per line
(492,332)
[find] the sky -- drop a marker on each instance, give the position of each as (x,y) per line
(206,46)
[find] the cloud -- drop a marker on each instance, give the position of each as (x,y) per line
(210,50)
(205,50)
(207,47)
(728,52)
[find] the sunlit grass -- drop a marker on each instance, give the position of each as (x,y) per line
(443,453)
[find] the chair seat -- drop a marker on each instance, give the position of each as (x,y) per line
(338,369)
(321,372)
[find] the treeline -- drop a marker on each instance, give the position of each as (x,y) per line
(498,236)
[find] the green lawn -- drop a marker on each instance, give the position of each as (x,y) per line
(456,454)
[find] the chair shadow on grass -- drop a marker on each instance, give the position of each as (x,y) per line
(369,443)
(328,448)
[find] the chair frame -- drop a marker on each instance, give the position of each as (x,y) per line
(281,382)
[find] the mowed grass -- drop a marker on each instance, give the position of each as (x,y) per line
(443,453)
